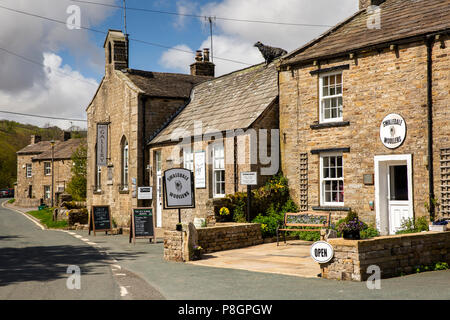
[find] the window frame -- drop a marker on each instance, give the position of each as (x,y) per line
(125,164)
(322,180)
(322,97)
(47,171)
(28,173)
(214,170)
(49,192)
(188,160)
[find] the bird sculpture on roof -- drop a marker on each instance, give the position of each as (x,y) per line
(270,53)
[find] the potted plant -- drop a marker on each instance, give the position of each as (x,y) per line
(197,250)
(224,214)
(351,226)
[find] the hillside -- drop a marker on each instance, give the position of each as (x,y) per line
(15,136)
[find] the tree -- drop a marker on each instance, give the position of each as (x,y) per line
(78,184)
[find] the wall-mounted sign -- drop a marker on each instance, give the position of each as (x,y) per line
(200,169)
(145,193)
(102,145)
(249,178)
(178,186)
(393,131)
(322,252)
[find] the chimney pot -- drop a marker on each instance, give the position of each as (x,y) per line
(364,4)
(199,56)
(206,55)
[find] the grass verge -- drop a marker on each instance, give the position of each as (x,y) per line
(45,216)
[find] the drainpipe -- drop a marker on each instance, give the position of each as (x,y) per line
(430,43)
(144,146)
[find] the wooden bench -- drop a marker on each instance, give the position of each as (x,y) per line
(311,221)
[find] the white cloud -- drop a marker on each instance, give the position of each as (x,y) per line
(177,60)
(62,92)
(235,40)
(33,38)
(184,7)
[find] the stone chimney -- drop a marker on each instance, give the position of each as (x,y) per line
(35,139)
(363,4)
(202,66)
(116,51)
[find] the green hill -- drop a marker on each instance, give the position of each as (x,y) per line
(15,136)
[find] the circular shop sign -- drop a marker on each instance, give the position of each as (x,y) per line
(393,131)
(322,251)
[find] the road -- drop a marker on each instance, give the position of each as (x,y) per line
(34,262)
(34,265)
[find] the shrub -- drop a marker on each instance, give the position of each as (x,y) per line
(408,225)
(11,201)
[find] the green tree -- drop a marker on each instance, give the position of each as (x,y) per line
(77,185)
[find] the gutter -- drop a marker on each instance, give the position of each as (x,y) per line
(429,43)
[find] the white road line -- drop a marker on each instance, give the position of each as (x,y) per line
(123,291)
(120,274)
(26,216)
(116,266)
(84,239)
(92,243)
(78,236)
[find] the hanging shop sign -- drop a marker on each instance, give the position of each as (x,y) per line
(322,252)
(200,169)
(393,131)
(178,186)
(102,145)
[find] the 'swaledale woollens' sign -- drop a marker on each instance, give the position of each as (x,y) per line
(179,188)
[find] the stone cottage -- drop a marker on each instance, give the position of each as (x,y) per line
(365,116)
(128,107)
(229,126)
(34,170)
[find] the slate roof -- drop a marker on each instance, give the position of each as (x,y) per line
(400,20)
(63,150)
(158,84)
(43,150)
(232,101)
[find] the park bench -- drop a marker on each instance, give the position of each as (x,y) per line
(304,221)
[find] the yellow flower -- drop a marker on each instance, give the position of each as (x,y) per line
(224,211)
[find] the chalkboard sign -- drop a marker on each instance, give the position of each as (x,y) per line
(142,222)
(100,219)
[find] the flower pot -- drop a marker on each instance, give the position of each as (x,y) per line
(197,254)
(351,235)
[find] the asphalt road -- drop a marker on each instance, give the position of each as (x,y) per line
(41,264)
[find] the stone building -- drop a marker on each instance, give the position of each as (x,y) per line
(365,116)
(34,170)
(224,129)
(132,104)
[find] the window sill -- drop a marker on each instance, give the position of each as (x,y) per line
(124,191)
(97,192)
(330,208)
(326,125)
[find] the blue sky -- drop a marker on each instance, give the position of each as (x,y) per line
(70,63)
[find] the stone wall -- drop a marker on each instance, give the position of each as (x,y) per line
(173,245)
(227,236)
(375,84)
(393,254)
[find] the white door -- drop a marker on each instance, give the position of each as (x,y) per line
(393,191)
(158,190)
(398,201)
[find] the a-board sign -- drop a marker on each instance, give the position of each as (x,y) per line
(179,189)
(142,224)
(145,193)
(322,252)
(100,219)
(249,178)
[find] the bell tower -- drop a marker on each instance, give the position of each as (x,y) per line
(116,51)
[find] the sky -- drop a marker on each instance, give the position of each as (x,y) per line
(49,69)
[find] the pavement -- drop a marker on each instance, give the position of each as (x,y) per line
(134,270)
(293,259)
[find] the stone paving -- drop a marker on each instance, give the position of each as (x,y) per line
(292,259)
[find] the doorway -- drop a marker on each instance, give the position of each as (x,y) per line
(393,192)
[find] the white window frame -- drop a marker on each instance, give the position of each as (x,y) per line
(125,163)
(29,170)
(47,170)
(218,146)
(47,192)
(322,97)
(98,178)
(322,180)
(188,159)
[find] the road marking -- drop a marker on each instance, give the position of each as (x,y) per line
(120,274)
(84,239)
(92,243)
(123,291)
(26,216)
(116,266)
(78,236)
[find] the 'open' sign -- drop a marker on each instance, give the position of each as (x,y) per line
(322,251)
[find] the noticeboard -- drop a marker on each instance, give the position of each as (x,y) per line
(100,219)
(142,224)
(179,189)
(249,178)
